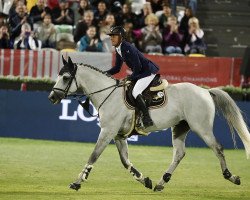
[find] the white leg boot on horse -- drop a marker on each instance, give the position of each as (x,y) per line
(102,142)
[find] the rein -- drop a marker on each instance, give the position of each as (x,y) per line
(85,105)
(78,97)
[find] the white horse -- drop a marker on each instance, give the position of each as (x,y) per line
(189,107)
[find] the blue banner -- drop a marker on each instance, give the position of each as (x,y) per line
(31,115)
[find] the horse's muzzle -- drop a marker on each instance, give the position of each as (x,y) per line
(54,98)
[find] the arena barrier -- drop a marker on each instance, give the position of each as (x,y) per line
(46,63)
(31,115)
(207,71)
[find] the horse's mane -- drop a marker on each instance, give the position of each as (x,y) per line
(95,69)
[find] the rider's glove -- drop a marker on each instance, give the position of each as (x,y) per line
(129,78)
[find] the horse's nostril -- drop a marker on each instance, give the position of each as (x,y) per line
(51,97)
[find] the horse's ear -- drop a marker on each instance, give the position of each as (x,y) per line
(70,61)
(64,61)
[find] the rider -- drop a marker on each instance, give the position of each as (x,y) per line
(143,70)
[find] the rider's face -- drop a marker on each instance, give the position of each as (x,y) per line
(115,40)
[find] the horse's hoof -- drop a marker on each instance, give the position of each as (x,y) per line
(158,188)
(148,183)
(237,180)
(74,186)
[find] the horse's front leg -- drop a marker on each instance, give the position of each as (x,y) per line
(103,140)
(122,147)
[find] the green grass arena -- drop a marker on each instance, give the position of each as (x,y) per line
(37,169)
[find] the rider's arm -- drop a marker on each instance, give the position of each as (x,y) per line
(137,66)
(117,67)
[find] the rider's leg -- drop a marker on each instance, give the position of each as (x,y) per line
(147,121)
(139,87)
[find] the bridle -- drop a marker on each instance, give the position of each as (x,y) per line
(66,90)
(78,97)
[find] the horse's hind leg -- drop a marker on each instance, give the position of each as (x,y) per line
(179,133)
(122,147)
(210,140)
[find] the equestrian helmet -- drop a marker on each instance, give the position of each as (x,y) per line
(117,30)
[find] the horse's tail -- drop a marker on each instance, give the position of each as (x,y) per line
(233,115)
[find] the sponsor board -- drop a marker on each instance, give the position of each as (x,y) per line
(31,115)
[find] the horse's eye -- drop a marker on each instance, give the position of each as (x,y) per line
(65,78)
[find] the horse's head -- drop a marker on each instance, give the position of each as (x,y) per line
(64,86)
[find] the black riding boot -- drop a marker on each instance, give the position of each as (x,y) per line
(147,121)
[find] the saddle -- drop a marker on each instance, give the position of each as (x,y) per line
(154,96)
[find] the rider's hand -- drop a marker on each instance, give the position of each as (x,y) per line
(126,80)
(107,73)
(129,78)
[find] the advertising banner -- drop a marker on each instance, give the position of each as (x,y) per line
(31,115)
(212,72)
(46,63)
(207,71)
(200,71)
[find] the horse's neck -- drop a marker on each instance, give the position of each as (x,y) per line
(92,80)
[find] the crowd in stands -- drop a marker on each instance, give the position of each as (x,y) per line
(153,26)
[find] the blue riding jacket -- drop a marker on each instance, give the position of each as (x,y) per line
(140,66)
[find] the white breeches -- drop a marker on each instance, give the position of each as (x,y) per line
(142,84)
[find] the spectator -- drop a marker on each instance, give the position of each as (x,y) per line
(151,35)
(163,19)
(30,4)
(52,4)
(38,11)
(18,20)
(115,6)
(46,33)
(15,4)
(125,15)
(82,26)
(130,37)
(104,29)
(5,6)
(2,19)
(108,23)
(156,5)
(173,4)
(100,14)
(4,37)
(83,6)
(26,40)
(193,5)
(94,3)
(63,14)
(171,37)
(90,42)
(184,27)
(195,41)
(146,10)
(188,3)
